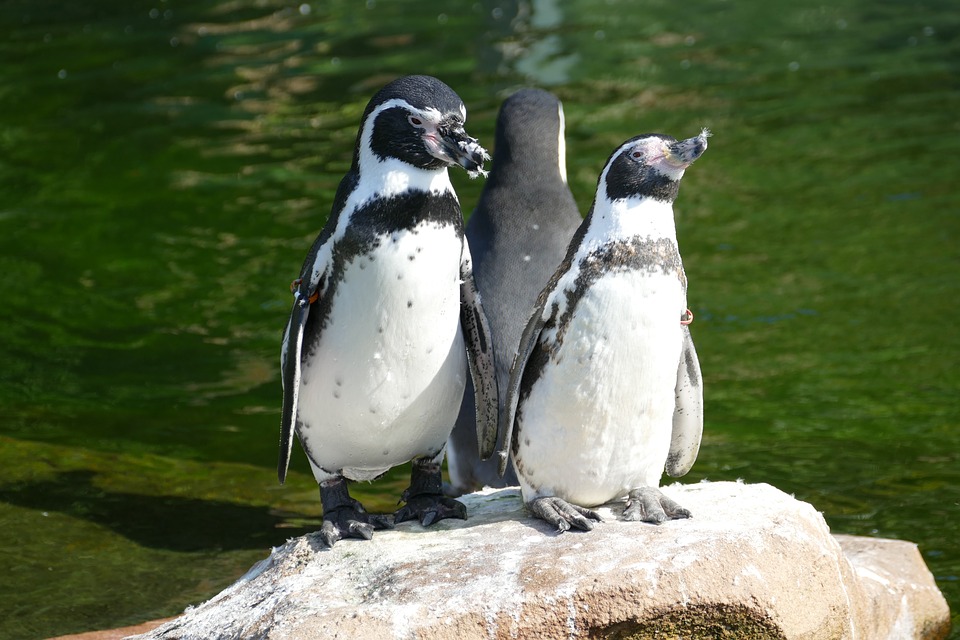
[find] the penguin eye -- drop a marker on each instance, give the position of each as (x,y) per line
(637,154)
(415,121)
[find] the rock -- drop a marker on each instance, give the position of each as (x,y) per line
(904,601)
(753,562)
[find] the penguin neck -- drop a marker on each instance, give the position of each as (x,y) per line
(390,177)
(638,217)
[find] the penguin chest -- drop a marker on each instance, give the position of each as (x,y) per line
(598,417)
(383,381)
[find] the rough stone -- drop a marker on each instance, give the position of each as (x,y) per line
(903,600)
(753,562)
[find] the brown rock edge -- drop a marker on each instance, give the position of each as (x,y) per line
(116,634)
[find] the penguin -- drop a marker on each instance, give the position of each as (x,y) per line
(605,392)
(518,234)
(386,318)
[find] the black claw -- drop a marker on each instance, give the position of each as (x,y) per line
(360,529)
(381,521)
(329,534)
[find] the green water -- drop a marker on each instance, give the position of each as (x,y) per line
(164,166)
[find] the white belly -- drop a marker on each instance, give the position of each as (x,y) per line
(386,382)
(599,420)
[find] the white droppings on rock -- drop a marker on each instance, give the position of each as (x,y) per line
(501,574)
(866,573)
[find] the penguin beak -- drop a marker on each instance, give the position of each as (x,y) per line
(452,145)
(682,153)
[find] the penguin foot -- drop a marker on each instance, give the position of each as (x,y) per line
(351,523)
(425,499)
(344,517)
(429,508)
(650,505)
(562,514)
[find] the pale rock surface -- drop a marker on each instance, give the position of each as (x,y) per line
(753,562)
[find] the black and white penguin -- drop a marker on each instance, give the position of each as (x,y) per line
(386,317)
(518,234)
(605,393)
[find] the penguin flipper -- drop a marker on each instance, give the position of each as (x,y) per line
(476,333)
(688,413)
(309,287)
(290,377)
(528,340)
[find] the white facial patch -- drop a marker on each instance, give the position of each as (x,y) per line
(430,115)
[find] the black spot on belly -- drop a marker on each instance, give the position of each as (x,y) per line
(410,257)
(399,276)
(336,393)
(409,303)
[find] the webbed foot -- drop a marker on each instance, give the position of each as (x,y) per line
(344,517)
(650,505)
(562,514)
(425,499)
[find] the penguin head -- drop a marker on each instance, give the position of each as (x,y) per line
(418,120)
(651,165)
(530,135)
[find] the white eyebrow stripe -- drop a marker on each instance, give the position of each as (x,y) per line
(562,146)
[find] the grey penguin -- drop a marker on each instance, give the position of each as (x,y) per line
(386,319)
(605,392)
(518,234)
